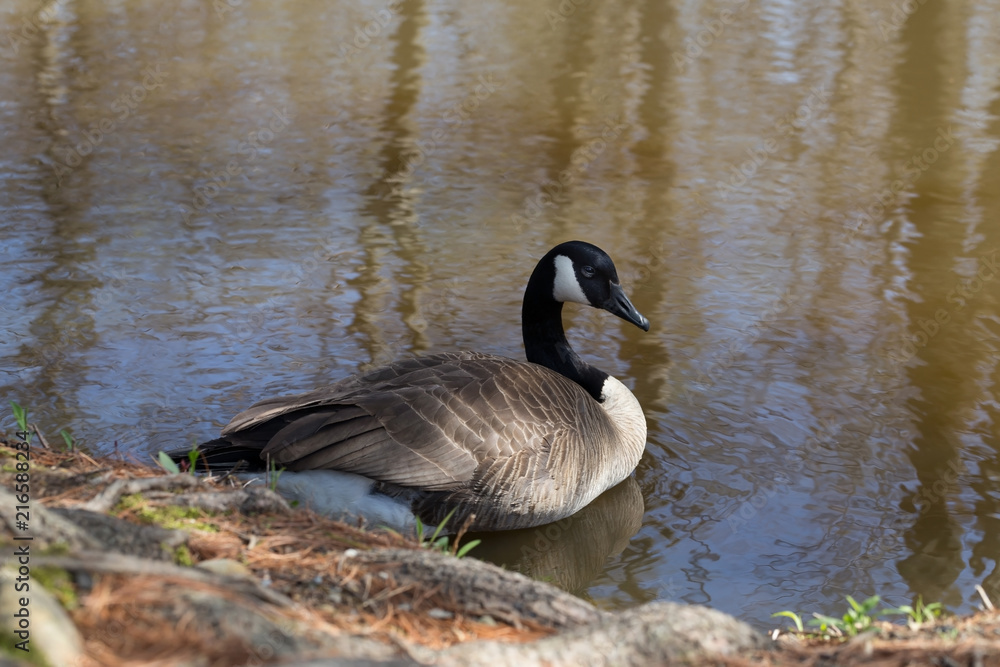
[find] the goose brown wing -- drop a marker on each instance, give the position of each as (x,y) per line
(428,423)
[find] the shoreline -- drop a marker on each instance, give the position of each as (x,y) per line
(124,564)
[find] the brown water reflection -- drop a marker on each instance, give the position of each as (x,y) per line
(207,203)
(570,553)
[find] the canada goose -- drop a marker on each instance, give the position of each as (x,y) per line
(511,444)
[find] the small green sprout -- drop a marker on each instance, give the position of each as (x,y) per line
(68,439)
(21,415)
(795,619)
(433,542)
(167,463)
(439,542)
(273,474)
(193,458)
(918,613)
(858,619)
(861,617)
(466,548)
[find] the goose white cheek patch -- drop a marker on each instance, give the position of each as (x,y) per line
(567,287)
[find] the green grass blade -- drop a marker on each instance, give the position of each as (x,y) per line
(193,459)
(21,415)
(795,619)
(826,621)
(467,547)
(167,463)
(273,475)
(870,604)
(68,439)
(440,526)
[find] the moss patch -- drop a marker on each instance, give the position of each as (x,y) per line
(182,556)
(170,516)
(7,648)
(56,549)
(59,583)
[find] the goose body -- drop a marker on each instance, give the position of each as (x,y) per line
(503,443)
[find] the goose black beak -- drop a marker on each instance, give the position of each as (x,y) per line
(618,304)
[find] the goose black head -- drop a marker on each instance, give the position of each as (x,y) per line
(572,271)
(583,273)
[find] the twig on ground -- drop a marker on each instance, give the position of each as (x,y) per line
(109,497)
(985,597)
(253,500)
(113,563)
(41,438)
(47,526)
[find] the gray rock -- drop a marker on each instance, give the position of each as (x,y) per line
(226,567)
(53,638)
(114,534)
(483,589)
(655,633)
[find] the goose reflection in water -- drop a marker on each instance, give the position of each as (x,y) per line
(572,552)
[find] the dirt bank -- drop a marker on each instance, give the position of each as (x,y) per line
(127,565)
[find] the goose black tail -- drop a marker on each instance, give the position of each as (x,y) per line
(220,456)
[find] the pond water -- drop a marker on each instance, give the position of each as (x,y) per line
(208,202)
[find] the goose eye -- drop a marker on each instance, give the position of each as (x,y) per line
(588,271)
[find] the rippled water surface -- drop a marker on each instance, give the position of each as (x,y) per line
(205,203)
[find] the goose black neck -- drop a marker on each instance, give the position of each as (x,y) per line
(544,339)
